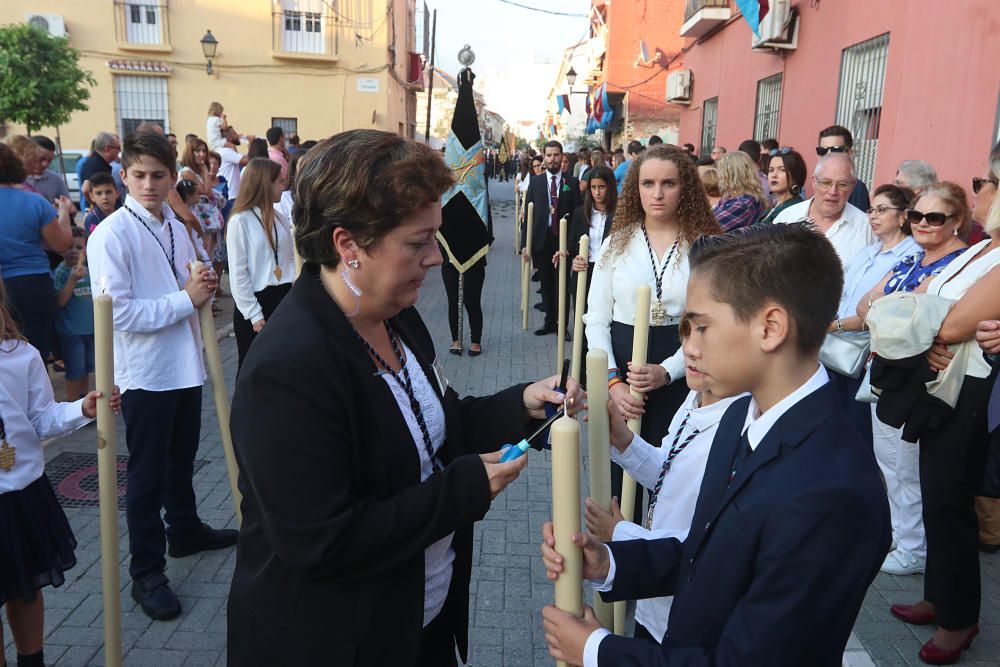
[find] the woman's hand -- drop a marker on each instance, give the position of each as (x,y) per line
(939,356)
(502,474)
(988,336)
(555,258)
(600,522)
(579,264)
(538,394)
(258,325)
(621,436)
(629,406)
(89,407)
(647,377)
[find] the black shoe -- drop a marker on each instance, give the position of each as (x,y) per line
(155,597)
(475,353)
(544,331)
(535,278)
(457,351)
(988,548)
(204,539)
(568,336)
(538,291)
(540,306)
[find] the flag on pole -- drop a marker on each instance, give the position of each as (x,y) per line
(753,11)
(562,102)
(465,232)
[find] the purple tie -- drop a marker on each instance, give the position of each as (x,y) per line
(553,201)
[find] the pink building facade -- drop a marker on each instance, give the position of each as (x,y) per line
(910,78)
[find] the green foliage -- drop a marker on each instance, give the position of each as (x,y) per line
(41,84)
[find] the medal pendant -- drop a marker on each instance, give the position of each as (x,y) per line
(277,272)
(6,456)
(657,314)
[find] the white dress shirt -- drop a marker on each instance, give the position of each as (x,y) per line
(596,232)
(251,259)
(157,335)
(756,427)
(679,493)
(612,295)
(230,169)
(30,412)
(285,206)
(849,235)
(867,268)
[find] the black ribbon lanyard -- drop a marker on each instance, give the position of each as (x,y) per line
(675,450)
(170,257)
(274,245)
(658,277)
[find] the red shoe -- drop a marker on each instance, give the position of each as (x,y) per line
(932,654)
(907,614)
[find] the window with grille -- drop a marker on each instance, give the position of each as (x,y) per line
(139,99)
(768,115)
(290,126)
(142,22)
(303,26)
(709,118)
(859,99)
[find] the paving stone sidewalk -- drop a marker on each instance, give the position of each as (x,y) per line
(508,587)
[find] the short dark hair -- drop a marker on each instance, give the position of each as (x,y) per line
(689,148)
(293,140)
(552,144)
(635,147)
(274,135)
(795,167)
(309,143)
(101,178)
(655,140)
(149,144)
(12,170)
(768,144)
(746,268)
(837,131)
(391,178)
(751,148)
(258,148)
(79,232)
(43,142)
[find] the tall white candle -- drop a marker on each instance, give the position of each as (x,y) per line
(561,322)
(526,271)
(599,451)
(566,513)
(581,302)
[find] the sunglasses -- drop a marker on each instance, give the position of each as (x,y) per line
(978,183)
(933,219)
(780,151)
(823,150)
(880,210)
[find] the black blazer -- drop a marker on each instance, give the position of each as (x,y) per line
(776,565)
(330,560)
(579,226)
(570,198)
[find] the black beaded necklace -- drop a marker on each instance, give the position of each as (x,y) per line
(403,378)
(658,277)
(675,449)
(274,244)
(170,229)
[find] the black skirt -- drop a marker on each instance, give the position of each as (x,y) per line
(36,543)
(268,298)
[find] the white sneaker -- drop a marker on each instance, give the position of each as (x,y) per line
(901,561)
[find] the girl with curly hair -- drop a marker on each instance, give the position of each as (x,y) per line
(662,210)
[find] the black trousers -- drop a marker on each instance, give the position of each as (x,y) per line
(549,279)
(32,304)
(952,460)
(859,413)
(437,644)
(661,405)
(162,430)
(472,297)
(268,298)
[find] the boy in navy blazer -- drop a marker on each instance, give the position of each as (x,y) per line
(792,523)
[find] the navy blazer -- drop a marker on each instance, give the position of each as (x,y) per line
(570,198)
(777,563)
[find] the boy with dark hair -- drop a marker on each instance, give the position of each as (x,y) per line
(791,523)
(104,195)
(838,139)
(140,255)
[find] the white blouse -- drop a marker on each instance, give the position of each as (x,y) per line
(956,279)
(596,232)
(30,412)
(251,259)
(612,295)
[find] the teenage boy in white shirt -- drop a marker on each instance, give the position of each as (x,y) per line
(140,255)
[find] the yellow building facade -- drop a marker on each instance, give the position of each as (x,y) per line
(314,67)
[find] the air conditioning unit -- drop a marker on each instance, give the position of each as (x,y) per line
(679,86)
(779,29)
(50,23)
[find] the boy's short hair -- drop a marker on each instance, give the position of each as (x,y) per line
(79,232)
(148,144)
(792,265)
(274,135)
(101,178)
(837,131)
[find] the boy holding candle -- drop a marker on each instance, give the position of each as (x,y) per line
(140,255)
(791,523)
(75,319)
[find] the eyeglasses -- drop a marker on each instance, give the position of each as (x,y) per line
(826,184)
(880,210)
(823,150)
(933,219)
(978,183)
(780,151)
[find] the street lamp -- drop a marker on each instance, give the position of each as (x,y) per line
(209,45)
(571,76)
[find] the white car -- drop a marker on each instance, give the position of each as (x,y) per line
(71,158)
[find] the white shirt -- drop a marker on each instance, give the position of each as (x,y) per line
(157,335)
(679,493)
(956,279)
(30,412)
(596,232)
(440,556)
(867,268)
(756,427)
(251,259)
(213,133)
(522,183)
(849,235)
(285,206)
(230,169)
(612,295)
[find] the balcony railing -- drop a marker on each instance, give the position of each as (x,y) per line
(301,34)
(142,25)
(701,16)
(694,6)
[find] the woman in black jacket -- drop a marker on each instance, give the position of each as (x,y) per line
(362,473)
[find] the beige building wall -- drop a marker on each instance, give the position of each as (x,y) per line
(346,80)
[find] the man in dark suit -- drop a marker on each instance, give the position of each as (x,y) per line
(555,194)
(791,523)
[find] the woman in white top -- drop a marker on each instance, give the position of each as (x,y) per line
(261,259)
(661,211)
(952,457)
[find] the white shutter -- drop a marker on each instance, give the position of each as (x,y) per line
(142,22)
(302,26)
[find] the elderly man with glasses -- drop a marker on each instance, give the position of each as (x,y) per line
(843,224)
(838,139)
